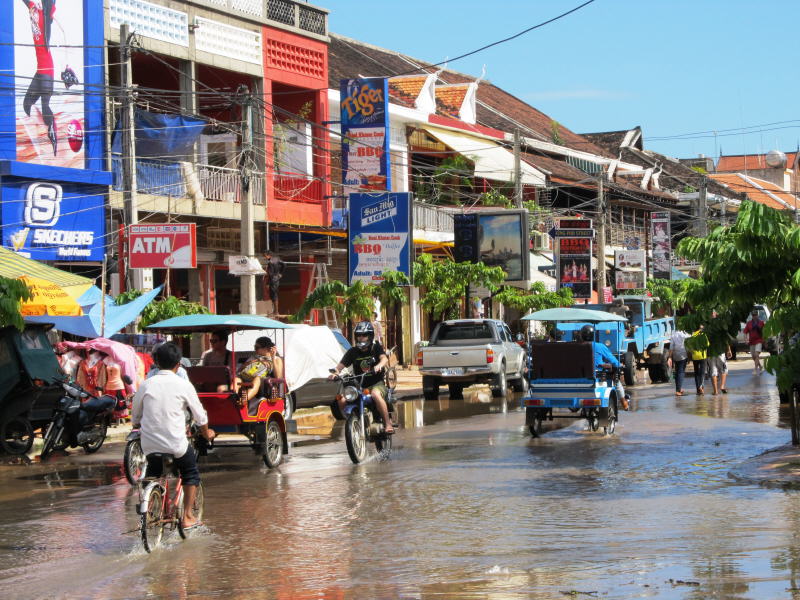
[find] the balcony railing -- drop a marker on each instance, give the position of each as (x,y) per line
(433,218)
(155,177)
(299,15)
(298,189)
(225,185)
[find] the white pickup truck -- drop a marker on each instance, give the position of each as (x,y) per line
(467,351)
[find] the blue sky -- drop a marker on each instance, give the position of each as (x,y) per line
(670,66)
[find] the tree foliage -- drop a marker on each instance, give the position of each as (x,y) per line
(12,293)
(536,298)
(161,309)
(668,295)
(756,260)
(445,282)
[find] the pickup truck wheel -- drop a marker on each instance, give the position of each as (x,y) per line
(430,387)
(629,368)
(500,387)
(456,390)
(519,385)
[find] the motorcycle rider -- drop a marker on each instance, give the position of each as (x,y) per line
(603,359)
(365,353)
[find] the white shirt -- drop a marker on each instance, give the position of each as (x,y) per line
(159,407)
(677,346)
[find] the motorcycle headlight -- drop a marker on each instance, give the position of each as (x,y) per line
(350,394)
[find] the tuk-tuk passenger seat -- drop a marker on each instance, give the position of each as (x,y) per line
(562,360)
(208,379)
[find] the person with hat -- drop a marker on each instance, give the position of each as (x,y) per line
(253,374)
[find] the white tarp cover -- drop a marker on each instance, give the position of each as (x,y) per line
(310,351)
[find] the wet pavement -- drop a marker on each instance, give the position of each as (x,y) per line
(467,506)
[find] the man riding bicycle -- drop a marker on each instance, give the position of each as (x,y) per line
(159,411)
(362,356)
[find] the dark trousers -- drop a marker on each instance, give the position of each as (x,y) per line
(680,373)
(186,464)
(699,373)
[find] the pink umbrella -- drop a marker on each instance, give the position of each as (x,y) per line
(121,353)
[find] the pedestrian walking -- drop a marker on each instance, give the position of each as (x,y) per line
(718,365)
(697,347)
(754,332)
(678,356)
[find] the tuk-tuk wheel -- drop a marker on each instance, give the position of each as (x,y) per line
(273,446)
(16,435)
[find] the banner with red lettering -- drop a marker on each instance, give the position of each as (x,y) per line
(162,246)
(365,139)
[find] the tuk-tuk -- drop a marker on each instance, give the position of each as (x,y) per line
(227,413)
(30,385)
(563,380)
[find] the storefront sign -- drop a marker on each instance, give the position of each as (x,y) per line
(365,138)
(379,236)
(244,265)
(661,245)
(497,239)
(630,269)
(168,246)
(53,221)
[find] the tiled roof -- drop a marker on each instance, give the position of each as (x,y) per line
(610,141)
(758,190)
(744,162)
(406,89)
(449,98)
(496,108)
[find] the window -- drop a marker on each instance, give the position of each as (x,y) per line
(464,331)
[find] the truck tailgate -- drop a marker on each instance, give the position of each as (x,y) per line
(463,356)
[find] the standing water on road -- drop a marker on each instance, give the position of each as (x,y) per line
(467,506)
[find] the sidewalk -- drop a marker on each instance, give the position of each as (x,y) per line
(776,468)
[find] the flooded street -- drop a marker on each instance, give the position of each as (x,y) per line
(467,506)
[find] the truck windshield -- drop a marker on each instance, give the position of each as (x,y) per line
(464,331)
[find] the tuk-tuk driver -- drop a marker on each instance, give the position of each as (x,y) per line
(159,409)
(603,359)
(365,353)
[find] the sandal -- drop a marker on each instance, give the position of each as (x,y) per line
(196,525)
(724,391)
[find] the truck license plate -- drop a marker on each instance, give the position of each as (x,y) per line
(453,371)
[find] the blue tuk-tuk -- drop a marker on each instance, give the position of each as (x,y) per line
(563,380)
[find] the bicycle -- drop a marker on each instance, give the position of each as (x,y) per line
(161,507)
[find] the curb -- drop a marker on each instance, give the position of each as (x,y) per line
(776,468)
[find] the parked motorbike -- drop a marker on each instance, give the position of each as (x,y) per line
(69,430)
(363,421)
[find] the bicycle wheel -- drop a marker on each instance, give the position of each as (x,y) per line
(153,519)
(197,509)
(135,462)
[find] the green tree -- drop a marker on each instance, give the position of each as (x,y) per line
(445,282)
(12,293)
(755,260)
(536,298)
(668,295)
(161,309)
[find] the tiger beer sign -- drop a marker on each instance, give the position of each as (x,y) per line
(167,246)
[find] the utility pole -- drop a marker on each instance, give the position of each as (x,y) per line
(248,248)
(600,249)
(517,170)
(702,208)
(128,158)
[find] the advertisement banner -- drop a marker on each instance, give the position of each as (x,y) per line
(497,239)
(162,246)
(245,265)
(379,236)
(631,269)
(53,221)
(49,82)
(365,134)
(661,245)
(574,248)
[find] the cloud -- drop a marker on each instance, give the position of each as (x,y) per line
(587,94)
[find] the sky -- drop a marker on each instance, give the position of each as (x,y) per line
(698,76)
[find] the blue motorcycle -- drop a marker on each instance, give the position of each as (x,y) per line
(363,421)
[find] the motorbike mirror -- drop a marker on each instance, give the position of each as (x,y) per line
(127,380)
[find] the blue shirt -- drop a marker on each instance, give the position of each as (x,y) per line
(603,355)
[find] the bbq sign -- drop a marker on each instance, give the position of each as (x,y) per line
(168,246)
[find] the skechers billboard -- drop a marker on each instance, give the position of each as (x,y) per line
(379,235)
(365,134)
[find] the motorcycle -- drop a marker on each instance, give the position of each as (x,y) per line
(68,430)
(363,421)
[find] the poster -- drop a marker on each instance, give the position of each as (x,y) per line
(661,245)
(630,269)
(379,236)
(365,139)
(49,77)
(497,239)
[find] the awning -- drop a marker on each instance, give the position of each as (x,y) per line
(492,161)
(14,266)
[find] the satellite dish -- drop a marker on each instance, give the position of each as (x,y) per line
(776,159)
